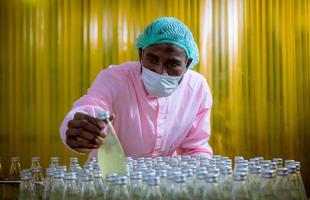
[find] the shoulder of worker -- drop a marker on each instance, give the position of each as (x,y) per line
(195,80)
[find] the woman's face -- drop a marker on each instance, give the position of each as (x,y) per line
(165,58)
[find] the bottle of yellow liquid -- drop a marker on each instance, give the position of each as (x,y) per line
(110,155)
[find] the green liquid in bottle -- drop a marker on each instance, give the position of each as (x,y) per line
(111,157)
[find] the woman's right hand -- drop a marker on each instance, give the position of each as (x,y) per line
(84,133)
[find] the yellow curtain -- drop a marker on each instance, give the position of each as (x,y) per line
(254,53)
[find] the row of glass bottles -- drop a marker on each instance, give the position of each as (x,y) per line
(180,177)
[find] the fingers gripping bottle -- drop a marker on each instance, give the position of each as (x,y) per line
(111,157)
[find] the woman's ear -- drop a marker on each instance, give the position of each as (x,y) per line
(189,61)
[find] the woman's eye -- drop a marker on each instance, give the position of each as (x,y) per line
(173,65)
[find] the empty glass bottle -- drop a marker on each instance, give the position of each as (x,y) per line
(153,192)
(15,169)
(48,182)
(26,187)
(57,189)
(136,185)
(239,189)
(180,191)
(71,191)
(99,185)
(226,180)
(254,181)
(212,189)
(88,190)
(121,192)
(35,162)
(110,187)
(266,186)
(281,187)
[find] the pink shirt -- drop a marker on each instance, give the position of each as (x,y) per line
(145,125)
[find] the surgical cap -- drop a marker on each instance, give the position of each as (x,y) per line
(172,31)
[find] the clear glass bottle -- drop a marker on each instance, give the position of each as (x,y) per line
(188,172)
(111,156)
(279,162)
(153,192)
(110,186)
(136,185)
(73,161)
(281,187)
(57,189)
(37,177)
(99,185)
(48,182)
(26,187)
(35,162)
(301,186)
(15,169)
(54,161)
(200,183)
(122,192)
(293,183)
(180,191)
(71,191)
(212,190)
(267,184)
(226,180)
(254,181)
(88,190)
(240,189)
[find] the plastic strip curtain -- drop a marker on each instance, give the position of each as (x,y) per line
(255,55)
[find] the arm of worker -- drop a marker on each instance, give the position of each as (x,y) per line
(80,130)
(197,140)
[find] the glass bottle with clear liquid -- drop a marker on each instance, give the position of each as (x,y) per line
(200,183)
(240,190)
(111,156)
(121,192)
(15,169)
(267,185)
(26,187)
(57,189)
(71,191)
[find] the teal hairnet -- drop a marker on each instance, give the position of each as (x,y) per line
(173,31)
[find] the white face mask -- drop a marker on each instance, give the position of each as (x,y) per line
(159,85)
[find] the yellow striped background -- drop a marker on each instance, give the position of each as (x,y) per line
(255,54)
